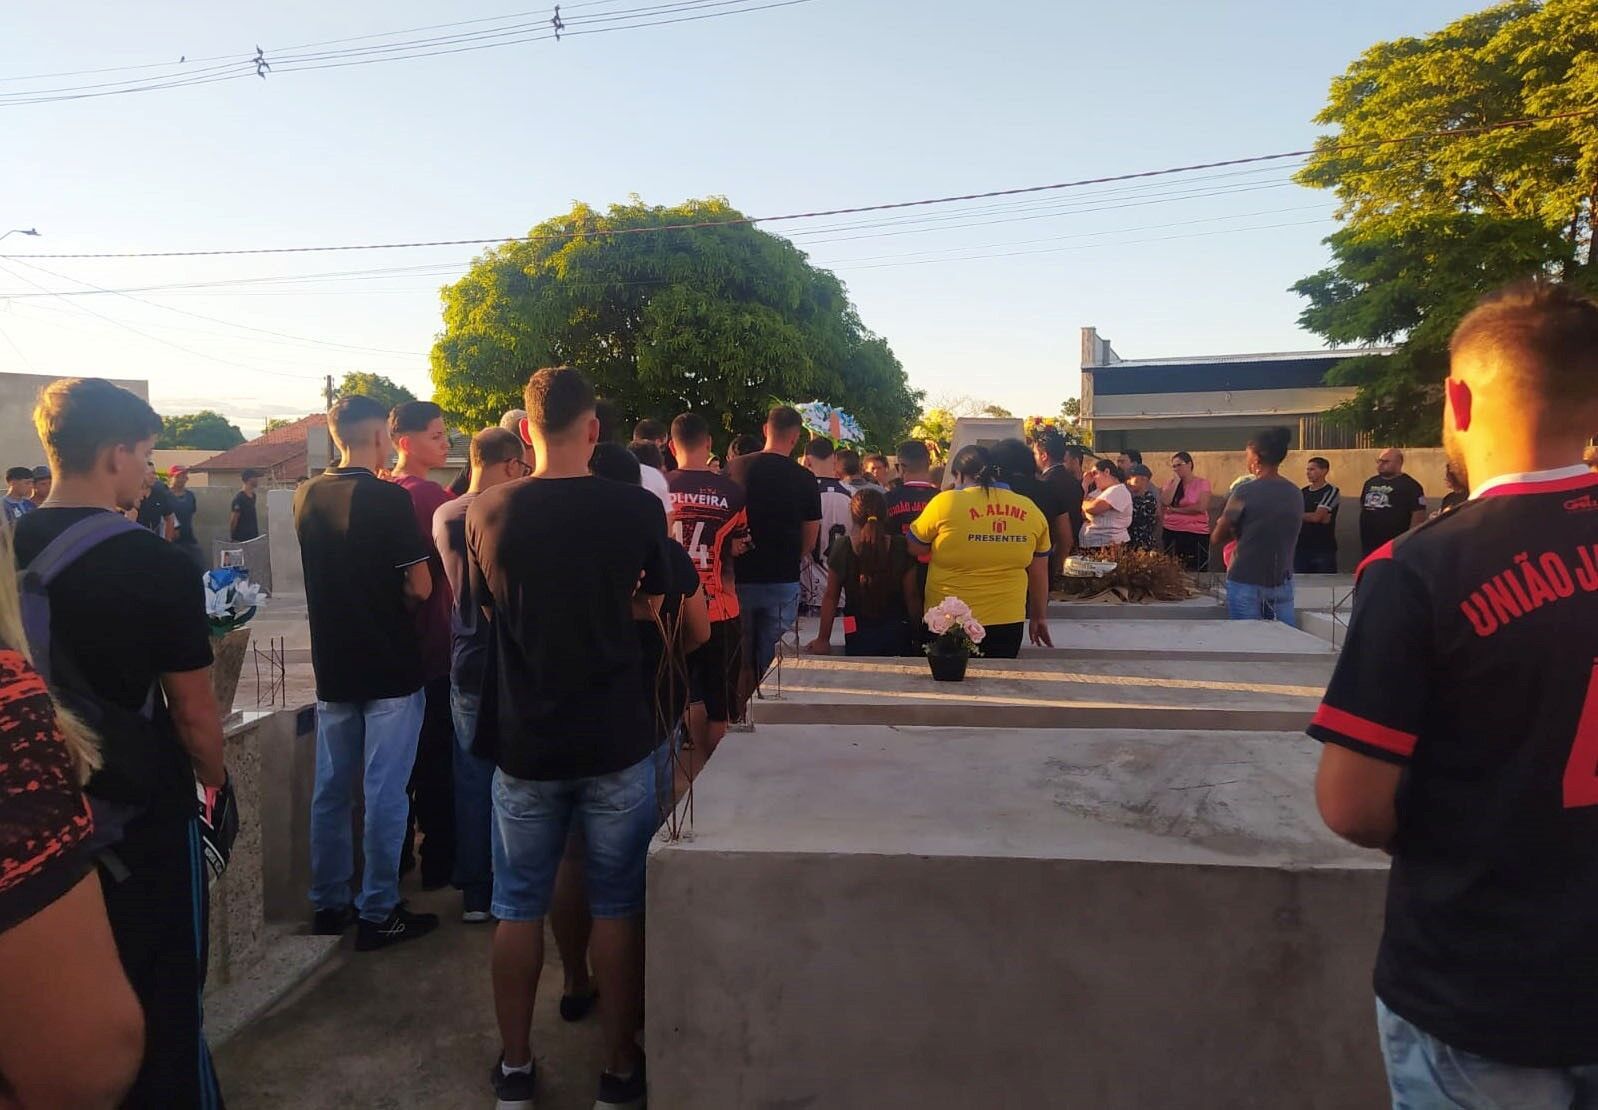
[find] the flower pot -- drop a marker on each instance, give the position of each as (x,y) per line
(947,666)
(228,650)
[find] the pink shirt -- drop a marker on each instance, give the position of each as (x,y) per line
(433,618)
(1195,492)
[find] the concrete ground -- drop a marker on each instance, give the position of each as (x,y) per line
(411,1026)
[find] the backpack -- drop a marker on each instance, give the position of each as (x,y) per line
(133,750)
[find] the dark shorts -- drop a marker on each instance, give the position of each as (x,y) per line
(1003,641)
(713,669)
(1315,562)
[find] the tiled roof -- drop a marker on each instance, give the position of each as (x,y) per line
(272,451)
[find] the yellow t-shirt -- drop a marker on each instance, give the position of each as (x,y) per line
(982,543)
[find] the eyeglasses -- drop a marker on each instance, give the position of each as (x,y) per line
(521,467)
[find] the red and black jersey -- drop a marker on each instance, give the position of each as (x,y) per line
(707,510)
(1472,662)
(907,502)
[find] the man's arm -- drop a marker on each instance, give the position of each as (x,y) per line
(71,1031)
(809,533)
(418,583)
(695,619)
(233,524)
(197,721)
(1038,599)
(1225,532)
(1355,796)
(169,527)
(822,644)
(1318,516)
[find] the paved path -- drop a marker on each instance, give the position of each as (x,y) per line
(411,1026)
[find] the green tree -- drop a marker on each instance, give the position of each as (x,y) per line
(200,431)
(718,320)
(1430,224)
(935,426)
(388,392)
(273,423)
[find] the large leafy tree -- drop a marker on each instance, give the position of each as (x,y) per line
(1431,223)
(720,320)
(199,431)
(361,383)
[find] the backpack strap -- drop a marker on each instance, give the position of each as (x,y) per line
(60,553)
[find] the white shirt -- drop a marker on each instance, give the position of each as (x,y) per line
(655,483)
(1111,527)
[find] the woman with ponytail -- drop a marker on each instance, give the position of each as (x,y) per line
(990,548)
(871,571)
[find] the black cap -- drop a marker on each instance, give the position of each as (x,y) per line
(41,474)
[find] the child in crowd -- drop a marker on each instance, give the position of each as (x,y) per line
(870,572)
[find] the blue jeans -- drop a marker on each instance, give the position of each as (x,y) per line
(769,609)
(1260,603)
(474,805)
(1423,1073)
(381,735)
(617,814)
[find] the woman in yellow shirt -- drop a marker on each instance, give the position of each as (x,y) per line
(990,548)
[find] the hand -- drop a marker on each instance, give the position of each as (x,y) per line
(1040,633)
(742,543)
(818,646)
(219,826)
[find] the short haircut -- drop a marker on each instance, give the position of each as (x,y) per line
(494,445)
(1543,335)
(1317,460)
(250,475)
(819,447)
(512,421)
(650,429)
(20,474)
(1270,445)
(1075,452)
(647,453)
(556,398)
(877,456)
(42,473)
(613,461)
(349,413)
(744,445)
(412,416)
(77,417)
(690,429)
(784,419)
(1052,444)
(913,455)
(1131,455)
(848,460)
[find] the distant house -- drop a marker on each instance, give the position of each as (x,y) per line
(284,455)
(1210,402)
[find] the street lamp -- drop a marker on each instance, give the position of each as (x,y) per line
(21,231)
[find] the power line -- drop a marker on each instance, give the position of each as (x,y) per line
(239,67)
(1023,190)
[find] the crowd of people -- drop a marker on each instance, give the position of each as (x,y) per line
(519,677)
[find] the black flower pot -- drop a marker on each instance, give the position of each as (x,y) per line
(948,666)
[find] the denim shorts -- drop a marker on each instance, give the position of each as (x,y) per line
(617,815)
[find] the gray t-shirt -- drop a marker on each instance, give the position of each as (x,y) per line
(1266,514)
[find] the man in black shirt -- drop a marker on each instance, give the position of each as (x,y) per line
(184,506)
(1062,469)
(1461,729)
(497,457)
(563,559)
(366,572)
(1316,552)
(905,502)
(243,523)
(1017,463)
(1390,504)
(129,638)
(783,500)
(155,507)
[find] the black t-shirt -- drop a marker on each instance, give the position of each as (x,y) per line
(906,502)
(357,537)
(184,508)
(1045,496)
(781,497)
(468,629)
(1068,488)
(670,675)
(125,613)
(1321,537)
(560,560)
(156,507)
(1472,663)
(248,527)
(1386,506)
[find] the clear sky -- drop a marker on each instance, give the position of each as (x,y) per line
(825,104)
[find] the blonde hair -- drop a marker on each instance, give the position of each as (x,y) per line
(80,741)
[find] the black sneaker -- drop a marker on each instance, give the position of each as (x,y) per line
(575,1007)
(515,1090)
(334,922)
(616,1092)
(401,925)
